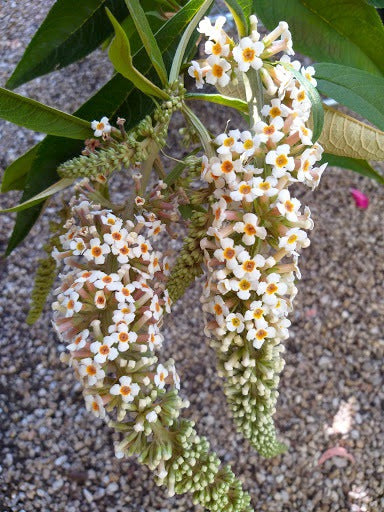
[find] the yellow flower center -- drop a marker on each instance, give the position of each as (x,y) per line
(274,112)
(235,321)
(289,206)
(292,239)
(125,390)
(244,189)
(271,289)
(229,253)
(228,142)
(96,251)
(281,161)
(249,229)
(248,54)
(216,49)
(217,71)
(261,334)
(244,285)
(227,167)
(248,144)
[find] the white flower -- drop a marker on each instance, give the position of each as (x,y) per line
(167,301)
(280,160)
(249,266)
(243,287)
(219,210)
(276,109)
(294,238)
(288,206)
(111,220)
(101,127)
(142,249)
(219,309)
(265,187)
(126,389)
(226,167)
(104,350)
(123,252)
(155,307)
(117,236)
(95,405)
(71,304)
(307,160)
(270,131)
(77,246)
(161,375)
(97,251)
(213,32)
(123,337)
(91,371)
(250,228)
(249,143)
(218,71)
(269,288)
(256,311)
(155,339)
(154,263)
(228,252)
(243,192)
(257,336)
(124,292)
(301,103)
(219,48)
(125,313)
(108,281)
(246,54)
(235,322)
(197,72)
(227,142)
(79,341)
(308,72)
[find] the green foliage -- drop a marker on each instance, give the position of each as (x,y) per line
(36,116)
(147,37)
(360,91)
(38,198)
(15,174)
(241,11)
(219,99)
(182,49)
(71,30)
(121,57)
(360,166)
(117,97)
(347,32)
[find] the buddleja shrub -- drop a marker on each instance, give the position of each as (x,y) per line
(246,231)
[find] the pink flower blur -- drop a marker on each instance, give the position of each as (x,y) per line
(361,200)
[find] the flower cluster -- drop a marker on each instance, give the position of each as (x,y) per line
(256,223)
(226,60)
(109,310)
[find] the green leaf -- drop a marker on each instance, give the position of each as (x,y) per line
(343,135)
(347,32)
(120,56)
(36,116)
(241,11)
(16,173)
(317,111)
(376,3)
(177,171)
(117,98)
(147,37)
(71,30)
(362,92)
(360,166)
(56,187)
(185,39)
(219,99)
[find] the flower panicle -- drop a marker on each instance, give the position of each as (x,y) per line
(257,227)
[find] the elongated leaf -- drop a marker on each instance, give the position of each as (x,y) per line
(362,92)
(120,55)
(376,3)
(16,173)
(219,99)
(343,135)
(117,97)
(241,11)
(147,37)
(48,192)
(36,116)
(360,166)
(185,39)
(347,32)
(317,111)
(71,30)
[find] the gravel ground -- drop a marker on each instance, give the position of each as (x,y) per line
(55,457)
